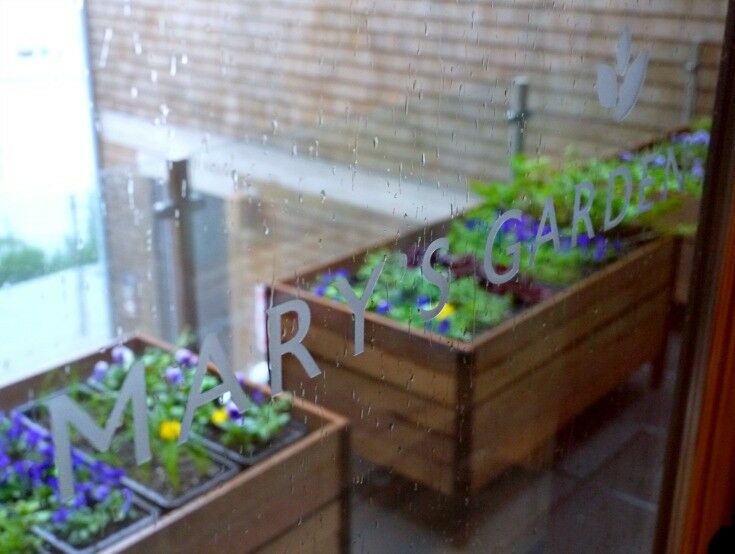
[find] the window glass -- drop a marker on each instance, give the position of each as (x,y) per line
(321,276)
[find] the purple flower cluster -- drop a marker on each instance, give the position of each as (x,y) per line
(27,467)
(186,358)
(700,138)
(174,375)
(698,168)
(329,278)
(122,355)
(383,307)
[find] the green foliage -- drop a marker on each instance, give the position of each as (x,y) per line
(402,293)
(169,379)
(29,497)
(20,261)
(535,180)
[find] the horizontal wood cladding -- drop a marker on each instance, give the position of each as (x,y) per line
(511,425)
(428,78)
(390,425)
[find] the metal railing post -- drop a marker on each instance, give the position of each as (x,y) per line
(519,113)
(691,66)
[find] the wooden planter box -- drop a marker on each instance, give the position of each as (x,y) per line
(453,415)
(294,501)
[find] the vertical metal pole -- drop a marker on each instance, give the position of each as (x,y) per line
(691,66)
(179,206)
(519,113)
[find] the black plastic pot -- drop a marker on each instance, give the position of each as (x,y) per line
(55,544)
(225,468)
(292,431)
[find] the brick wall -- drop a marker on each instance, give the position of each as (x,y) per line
(417,87)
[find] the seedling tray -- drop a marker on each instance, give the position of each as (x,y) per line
(55,544)
(225,468)
(292,432)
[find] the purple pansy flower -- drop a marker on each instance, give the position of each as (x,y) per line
(60,516)
(472,223)
(583,241)
(100,370)
(320,290)
(258,397)
(422,301)
(565,244)
(33,437)
(101,493)
(383,307)
(122,355)
(53,482)
(698,169)
(186,357)
(240,376)
(443,327)
(174,375)
(659,160)
(600,249)
(80,500)
(233,412)
(698,137)
(626,156)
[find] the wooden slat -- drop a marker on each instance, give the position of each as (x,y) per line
(572,319)
(398,371)
(369,397)
(389,426)
(318,534)
(512,424)
(533,324)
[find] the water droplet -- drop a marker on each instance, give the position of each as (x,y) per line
(323,195)
(375,142)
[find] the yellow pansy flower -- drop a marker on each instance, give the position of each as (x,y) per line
(169,430)
(445,312)
(219,416)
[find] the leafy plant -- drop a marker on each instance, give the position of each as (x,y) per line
(168,384)
(535,180)
(29,494)
(402,293)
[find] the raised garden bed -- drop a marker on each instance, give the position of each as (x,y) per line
(453,414)
(256,509)
(451,404)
